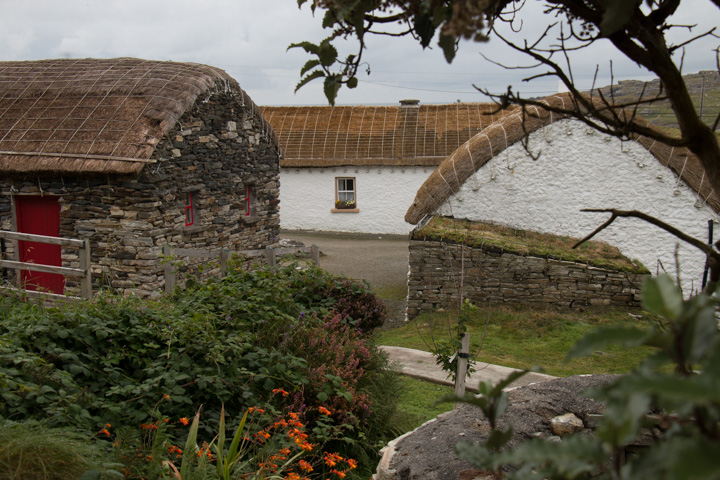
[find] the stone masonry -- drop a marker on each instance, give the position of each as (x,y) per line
(216,150)
(438,269)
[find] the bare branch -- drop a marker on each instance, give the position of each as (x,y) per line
(704,247)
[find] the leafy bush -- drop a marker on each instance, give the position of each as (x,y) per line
(679,407)
(33,451)
(225,341)
(358,304)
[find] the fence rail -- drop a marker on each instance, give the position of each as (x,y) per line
(83,272)
(223,255)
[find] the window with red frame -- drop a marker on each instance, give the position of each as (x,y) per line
(189,209)
(249,193)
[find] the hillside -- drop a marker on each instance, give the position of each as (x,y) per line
(660,112)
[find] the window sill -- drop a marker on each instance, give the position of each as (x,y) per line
(344,210)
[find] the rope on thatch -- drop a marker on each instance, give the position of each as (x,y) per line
(513,127)
(424,135)
(75,114)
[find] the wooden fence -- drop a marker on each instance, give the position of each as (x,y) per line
(223,255)
(83,272)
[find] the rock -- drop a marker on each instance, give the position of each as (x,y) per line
(566,424)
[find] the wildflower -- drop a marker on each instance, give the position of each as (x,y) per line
(352,463)
(255,409)
(339,473)
(184,421)
(305,466)
(105,432)
(324,411)
(331,459)
(306,446)
(107,425)
(280,391)
(166,397)
(292,476)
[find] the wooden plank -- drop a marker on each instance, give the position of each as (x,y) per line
(169,268)
(85,263)
(34,294)
(36,267)
(29,237)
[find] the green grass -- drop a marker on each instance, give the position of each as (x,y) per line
(417,400)
(523,337)
(530,243)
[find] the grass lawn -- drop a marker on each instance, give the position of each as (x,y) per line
(523,337)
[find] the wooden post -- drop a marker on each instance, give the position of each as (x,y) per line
(85,263)
(462,366)
(224,256)
(270,254)
(315,254)
(169,269)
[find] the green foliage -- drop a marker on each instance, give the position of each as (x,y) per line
(224,342)
(681,405)
(32,450)
(447,352)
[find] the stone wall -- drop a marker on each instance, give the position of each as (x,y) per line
(217,148)
(499,277)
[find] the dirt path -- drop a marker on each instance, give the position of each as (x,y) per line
(382,260)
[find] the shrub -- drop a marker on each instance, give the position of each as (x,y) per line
(360,305)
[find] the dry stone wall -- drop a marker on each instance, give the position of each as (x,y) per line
(217,148)
(434,280)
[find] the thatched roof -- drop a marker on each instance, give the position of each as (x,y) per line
(466,160)
(376,135)
(96,116)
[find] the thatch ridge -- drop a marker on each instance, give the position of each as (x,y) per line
(98,115)
(366,135)
(513,127)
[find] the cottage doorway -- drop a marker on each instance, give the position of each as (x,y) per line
(39,215)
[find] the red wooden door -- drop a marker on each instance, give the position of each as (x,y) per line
(40,216)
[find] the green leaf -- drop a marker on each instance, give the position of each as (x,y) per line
(331,87)
(308,78)
(662,297)
(617,14)
(309,65)
(448,43)
(307,46)
(328,19)
(497,439)
(424,28)
(327,53)
(322,397)
(352,82)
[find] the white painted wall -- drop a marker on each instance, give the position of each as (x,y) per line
(582,168)
(383,196)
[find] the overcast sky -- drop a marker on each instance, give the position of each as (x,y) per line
(249,40)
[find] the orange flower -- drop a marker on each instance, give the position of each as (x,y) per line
(339,473)
(280,391)
(166,397)
(255,409)
(184,421)
(306,446)
(292,476)
(325,411)
(305,466)
(105,431)
(331,459)
(107,425)
(352,463)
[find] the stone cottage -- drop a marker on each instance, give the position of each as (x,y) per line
(357,168)
(132,155)
(565,166)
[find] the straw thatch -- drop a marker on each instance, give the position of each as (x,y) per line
(96,116)
(412,135)
(466,160)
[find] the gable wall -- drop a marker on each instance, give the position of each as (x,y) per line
(216,148)
(383,195)
(581,168)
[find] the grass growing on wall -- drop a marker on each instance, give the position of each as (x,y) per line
(527,243)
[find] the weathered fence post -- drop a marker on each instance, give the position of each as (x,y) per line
(224,256)
(169,268)
(462,366)
(315,254)
(85,263)
(270,254)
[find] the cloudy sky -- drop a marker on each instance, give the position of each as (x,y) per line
(249,40)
